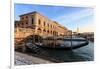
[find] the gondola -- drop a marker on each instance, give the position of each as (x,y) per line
(61,43)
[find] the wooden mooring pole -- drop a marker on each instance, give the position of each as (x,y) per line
(71,41)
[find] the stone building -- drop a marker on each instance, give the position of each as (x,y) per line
(37,24)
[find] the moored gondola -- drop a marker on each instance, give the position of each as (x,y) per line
(62,43)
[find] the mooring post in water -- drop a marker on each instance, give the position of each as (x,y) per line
(24,43)
(71,41)
(33,37)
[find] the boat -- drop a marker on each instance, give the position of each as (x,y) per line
(62,43)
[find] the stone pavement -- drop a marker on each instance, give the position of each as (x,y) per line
(24,59)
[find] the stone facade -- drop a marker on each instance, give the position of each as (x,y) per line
(37,24)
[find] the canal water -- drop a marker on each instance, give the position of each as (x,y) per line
(85,53)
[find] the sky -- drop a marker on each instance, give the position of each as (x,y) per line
(68,16)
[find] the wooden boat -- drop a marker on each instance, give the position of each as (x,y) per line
(61,43)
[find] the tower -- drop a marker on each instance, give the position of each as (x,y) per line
(77,30)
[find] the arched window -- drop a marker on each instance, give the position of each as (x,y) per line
(48,31)
(51,32)
(26,16)
(22,23)
(22,18)
(48,24)
(39,22)
(51,26)
(32,21)
(44,30)
(26,22)
(39,30)
(44,23)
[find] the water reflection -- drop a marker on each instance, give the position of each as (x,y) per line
(85,53)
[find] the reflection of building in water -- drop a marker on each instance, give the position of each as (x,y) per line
(37,24)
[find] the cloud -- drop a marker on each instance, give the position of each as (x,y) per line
(76,19)
(67,18)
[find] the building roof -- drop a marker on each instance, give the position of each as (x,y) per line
(29,13)
(60,25)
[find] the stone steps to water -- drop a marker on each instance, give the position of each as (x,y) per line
(36,49)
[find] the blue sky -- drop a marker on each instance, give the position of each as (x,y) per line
(70,17)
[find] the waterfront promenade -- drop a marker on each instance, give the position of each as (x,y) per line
(24,59)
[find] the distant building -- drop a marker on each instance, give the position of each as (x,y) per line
(36,24)
(88,34)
